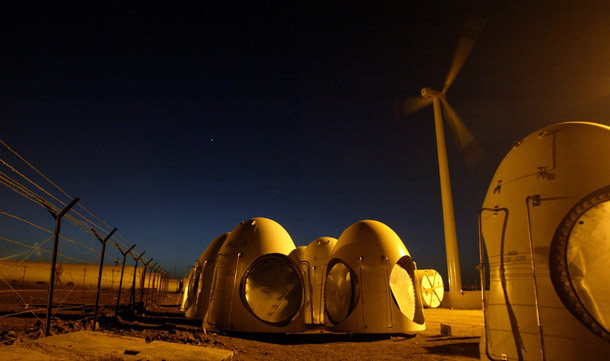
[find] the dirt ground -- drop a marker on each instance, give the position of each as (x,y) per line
(164,322)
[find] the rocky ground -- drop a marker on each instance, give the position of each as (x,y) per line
(164,322)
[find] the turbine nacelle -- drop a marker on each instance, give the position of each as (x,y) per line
(430,93)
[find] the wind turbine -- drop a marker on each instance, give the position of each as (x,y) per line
(464,137)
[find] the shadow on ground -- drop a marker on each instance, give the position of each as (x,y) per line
(314,338)
(465,349)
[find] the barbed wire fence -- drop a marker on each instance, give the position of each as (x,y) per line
(76,265)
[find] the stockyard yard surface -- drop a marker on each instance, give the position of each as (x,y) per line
(22,336)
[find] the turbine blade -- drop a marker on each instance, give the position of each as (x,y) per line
(472,29)
(412,104)
(470,148)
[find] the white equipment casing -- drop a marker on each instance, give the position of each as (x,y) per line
(432,287)
(371,283)
(257,287)
(316,255)
(545,222)
(199,285)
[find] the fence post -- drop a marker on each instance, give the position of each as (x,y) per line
(143,280)
(118,299)
(155,284)
(159,284)
(166,284)
(151,282)
(132,296)
(167,279)
(99,278)
(58,218)
(162,285)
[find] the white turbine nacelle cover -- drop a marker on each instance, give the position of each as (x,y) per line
(432,287)
(548,209)
(371,283)
(299,253)
(257,287)
(184,292)
(428,92)
(199,285)
(316,255)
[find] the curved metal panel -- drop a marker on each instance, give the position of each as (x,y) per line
(272,289)
(340,292)
(403,290)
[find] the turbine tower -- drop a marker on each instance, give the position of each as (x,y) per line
(464,137)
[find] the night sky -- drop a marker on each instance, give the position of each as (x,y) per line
(174,123)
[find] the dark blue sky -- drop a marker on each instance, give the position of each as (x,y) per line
(175,123)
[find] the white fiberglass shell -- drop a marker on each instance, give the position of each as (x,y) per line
(371,284)
(200,280)
(189,281)
(546,227)
(316,255)
(257,287)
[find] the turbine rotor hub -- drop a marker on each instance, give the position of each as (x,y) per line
(430,93)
